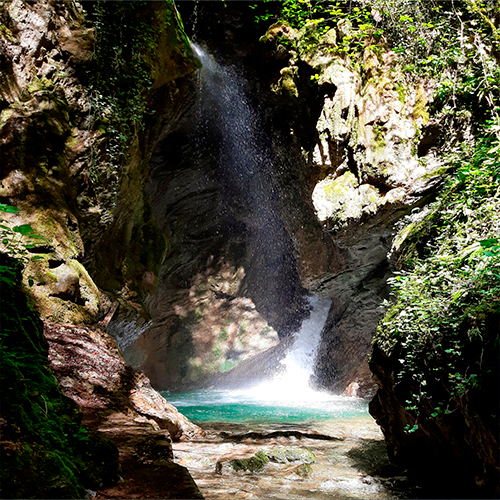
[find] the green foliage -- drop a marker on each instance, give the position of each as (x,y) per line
(126,42)
(442,327)
(352,19)
(449,41)
(17,241)
(452,42)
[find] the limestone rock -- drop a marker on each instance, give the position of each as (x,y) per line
(365,170)
(146,460)
(91,371)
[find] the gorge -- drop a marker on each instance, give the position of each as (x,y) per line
(208,197)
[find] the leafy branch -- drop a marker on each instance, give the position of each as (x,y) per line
(440,320)
(17,241)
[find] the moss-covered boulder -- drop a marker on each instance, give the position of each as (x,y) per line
(291,454)
(251,464)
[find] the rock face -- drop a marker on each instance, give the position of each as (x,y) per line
(74,161)
(253,223)
(363,175)
(59,154)
(461,443)
(256,216)
(91,371)
(210,330)
(311,211)
(229,286)
(45,453)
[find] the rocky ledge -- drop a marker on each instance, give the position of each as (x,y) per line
(92,372)
(120,403)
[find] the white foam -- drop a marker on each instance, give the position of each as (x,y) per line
(293,383)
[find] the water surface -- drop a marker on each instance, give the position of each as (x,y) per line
(257,406)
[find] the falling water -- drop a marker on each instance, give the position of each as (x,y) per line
(287,397)
(229,134)
(226,114)
(233,144)
(293,382)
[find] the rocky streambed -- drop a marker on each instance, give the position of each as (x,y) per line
(344,458)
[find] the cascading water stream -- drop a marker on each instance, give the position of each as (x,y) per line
(224,113)
(229,134)
(293,382)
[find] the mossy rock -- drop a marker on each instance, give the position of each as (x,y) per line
(251,464)
(291,454)
(44,452)
(303,470)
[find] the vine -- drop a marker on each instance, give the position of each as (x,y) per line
(126,42)
(16,241)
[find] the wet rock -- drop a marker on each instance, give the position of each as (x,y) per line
(291,454)
(201,330)
(345,465)
(289,434)
(303,470)
(252,464)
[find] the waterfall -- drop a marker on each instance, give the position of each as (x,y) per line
(226,115)
(293,382)
(230,134)
(236,146)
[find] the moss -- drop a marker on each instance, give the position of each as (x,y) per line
(304,470)
(45,453)
(337,188)
(401,92)
(291,454)
(227,365)
(439,172)
(39,84)
(410,239)
(287,82)
(5,115)
(252,464)
(7,33)
(379,141)
(420,110)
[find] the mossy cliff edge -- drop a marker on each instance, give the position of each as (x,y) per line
(81,111)
(45,453)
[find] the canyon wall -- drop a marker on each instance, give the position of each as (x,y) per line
(77,217)
(311,210)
